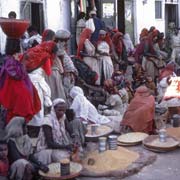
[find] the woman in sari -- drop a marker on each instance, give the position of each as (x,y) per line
(152,60)
(85,110)
(86,52)
(17,93)
(103,55)
(38,61)
(54,142)
(119,53)
(139,116)
(55,79)
(23,164)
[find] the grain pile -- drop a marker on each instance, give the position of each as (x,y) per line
(110,160)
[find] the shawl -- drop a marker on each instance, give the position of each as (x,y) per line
(144,33)
(118,42)
(86,34)
(48,35)
(60,135)
(107,39)
(14,81)
(40,56)
(14,130)
(84,108)
(167,71)
(140,112)
(128,43)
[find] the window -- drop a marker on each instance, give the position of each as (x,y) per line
(158,9)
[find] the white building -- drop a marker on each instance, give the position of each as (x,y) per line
(53,14)
(158,13)
(56,14)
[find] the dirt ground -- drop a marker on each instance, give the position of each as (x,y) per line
(166,167)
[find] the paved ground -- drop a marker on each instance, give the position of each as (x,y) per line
(166,167)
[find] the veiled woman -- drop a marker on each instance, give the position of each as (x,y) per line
(139,116)
(103,53)
(54,142)
(55,79)
(23,164)
(38,61)
(17,93)
(119,52)
(86,52)
(84,109)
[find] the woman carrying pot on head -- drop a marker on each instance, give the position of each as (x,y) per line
(17,93)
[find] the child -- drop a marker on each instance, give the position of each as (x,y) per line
(150,84)
(4,163)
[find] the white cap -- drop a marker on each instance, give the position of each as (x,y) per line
(63,34)
(92,12)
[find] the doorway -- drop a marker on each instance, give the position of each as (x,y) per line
(34,13)
(108,12)
(171,15)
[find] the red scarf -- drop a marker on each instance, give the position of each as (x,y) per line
(86,34)
(40,56)
(118,42)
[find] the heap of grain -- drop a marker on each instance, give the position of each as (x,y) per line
(110,160)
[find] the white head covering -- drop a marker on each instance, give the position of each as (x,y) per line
(58,128)
(14,130)
(84,108)
(92,12)
(58,101)
(14,127)
(63,34)
(75,90)
(81,23)
(103,32)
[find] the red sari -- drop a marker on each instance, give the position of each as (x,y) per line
(17,93)
(140,113)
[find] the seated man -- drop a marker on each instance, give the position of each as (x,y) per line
(139,116)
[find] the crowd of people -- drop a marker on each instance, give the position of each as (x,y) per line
(41,97)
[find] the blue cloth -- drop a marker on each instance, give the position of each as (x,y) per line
(99,24)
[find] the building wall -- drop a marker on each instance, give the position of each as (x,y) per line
(5,8)
(145,17)
(57,14)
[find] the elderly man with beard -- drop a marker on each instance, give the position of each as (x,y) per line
(70,72)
